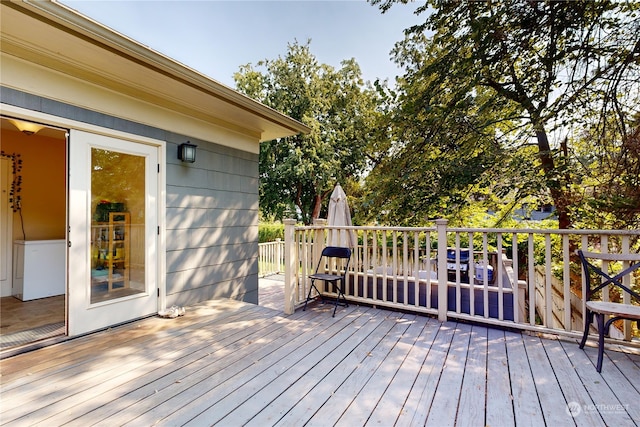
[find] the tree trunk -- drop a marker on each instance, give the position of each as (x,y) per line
(298,202)
(555,181)
(317,205)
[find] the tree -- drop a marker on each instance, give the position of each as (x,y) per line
(301,171)
(608,180)
(513,74)
(436,161)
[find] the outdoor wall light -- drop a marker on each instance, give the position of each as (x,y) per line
(187,152)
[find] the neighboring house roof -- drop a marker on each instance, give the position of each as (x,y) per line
(58,38)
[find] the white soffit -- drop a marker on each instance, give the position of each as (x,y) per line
(56,37)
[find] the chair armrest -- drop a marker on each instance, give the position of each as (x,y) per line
(611,257)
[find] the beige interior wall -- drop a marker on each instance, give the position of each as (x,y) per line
(43,189)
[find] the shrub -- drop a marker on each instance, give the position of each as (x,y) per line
(269,232)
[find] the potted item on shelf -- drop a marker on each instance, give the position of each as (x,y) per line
(104,207)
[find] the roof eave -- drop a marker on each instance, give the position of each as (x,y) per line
(281,125)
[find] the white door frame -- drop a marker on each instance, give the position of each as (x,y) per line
(64,123)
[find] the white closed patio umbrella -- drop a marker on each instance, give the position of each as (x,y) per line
(340,216)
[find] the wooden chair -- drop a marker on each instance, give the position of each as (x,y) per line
(331,255)
(596,281)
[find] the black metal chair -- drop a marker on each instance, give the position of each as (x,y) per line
(596,281)
(335,260)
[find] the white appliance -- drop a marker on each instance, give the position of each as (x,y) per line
(38,268)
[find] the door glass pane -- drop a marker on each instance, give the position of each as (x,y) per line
(117,225)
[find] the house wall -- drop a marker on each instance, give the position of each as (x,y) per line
(212,207)
(212,225)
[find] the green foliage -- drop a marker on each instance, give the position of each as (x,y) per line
(297,174)
(269,232)
(431,172)
(118,178)
(608,182)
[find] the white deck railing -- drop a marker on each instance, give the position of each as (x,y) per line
(270,258)
(537,283)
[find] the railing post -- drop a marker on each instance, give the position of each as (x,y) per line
(441,226)
(289,265)
(318,238)
(321,223)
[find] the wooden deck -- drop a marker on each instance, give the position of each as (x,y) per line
(230,363)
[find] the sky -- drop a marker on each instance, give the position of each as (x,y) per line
(216,37)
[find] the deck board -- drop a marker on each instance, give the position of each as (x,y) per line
(325,372)
(597,388)
(417,406)
(471,410)
(172,371)
(621,375)
(547,387)
(570,382)
(302,408)
(445,401)
(498,398)
(526,405)
(343,395)
(279,374)
(196,392)
(370,395)
(397,393)
(232,363)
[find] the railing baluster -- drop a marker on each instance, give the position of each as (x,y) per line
(532,279)
(367,264)
(485,277)
(416,268)
(374,264)
(270,258)
(515,280)
(290,261)
(472,276)
(566,278)
(384,265)
(604,248)
(394,258)
(626,280)
(458,249)
(499,276)
(429,268)
(405,268)
(585,247)
(548,317)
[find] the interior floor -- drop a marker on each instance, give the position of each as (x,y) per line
(17,316)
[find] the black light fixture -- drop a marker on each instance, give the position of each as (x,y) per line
(187,152)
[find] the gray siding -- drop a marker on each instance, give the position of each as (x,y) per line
(212,225)
(212,209)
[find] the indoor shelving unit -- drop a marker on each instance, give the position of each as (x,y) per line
(110,252)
